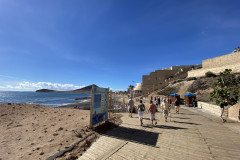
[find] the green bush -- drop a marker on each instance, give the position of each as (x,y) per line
(210,74)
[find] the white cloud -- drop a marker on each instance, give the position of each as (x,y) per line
(31,86)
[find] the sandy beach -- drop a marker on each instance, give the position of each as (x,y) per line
(30,131)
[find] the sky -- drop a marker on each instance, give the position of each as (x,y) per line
(68,44)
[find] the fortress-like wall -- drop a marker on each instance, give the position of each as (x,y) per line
(201,72)
(183,67)
(218,64)
(161,78)
(229,59)
(155,80)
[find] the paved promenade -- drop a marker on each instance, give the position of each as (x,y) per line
(189,135)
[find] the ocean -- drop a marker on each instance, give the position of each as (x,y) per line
(47,99)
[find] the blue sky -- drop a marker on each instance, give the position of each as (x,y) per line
(67,44)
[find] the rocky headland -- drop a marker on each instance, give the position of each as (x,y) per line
(85,90)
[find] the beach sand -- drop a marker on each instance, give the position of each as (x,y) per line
(30,131)
(35,132)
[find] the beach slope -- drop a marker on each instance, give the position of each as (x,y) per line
(30,131)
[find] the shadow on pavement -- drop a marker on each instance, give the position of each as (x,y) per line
(146,118)
(169,127)
(180,117)
(134,135)
(186,123)
(185,113)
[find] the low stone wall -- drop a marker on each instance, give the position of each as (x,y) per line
(214,109)
(233,112)
(201,72)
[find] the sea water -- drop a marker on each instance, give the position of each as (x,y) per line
(48,99)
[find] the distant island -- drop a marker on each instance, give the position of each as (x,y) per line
(86,90)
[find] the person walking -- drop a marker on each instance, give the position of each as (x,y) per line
(170,101)
(152,109)
(177,105)
(141,109)
(158,98)
(166,110)
(162,103)
(130,107)
(194,102)
(169,104)
(156,102)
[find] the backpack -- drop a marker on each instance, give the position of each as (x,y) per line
(141,107)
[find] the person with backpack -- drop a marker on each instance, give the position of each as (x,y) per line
(141,109)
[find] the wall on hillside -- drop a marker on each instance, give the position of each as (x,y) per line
(214,109)
(201,72)
(155,80)
(218,64)
(233,112)
(228,59)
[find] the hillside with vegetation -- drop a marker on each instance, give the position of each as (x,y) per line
(201,86)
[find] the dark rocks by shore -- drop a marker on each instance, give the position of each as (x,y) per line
(81,105)
(83,98)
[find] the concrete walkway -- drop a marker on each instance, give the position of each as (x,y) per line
(189,135)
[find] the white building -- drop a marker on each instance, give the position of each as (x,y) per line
(138,89)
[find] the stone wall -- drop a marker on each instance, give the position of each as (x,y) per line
(228,59)
(155,80)
(233,112)
(201,72)
(214,109)
(161,78)
(218,64)
(188,67)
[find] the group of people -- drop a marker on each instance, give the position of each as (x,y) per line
(164,104)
